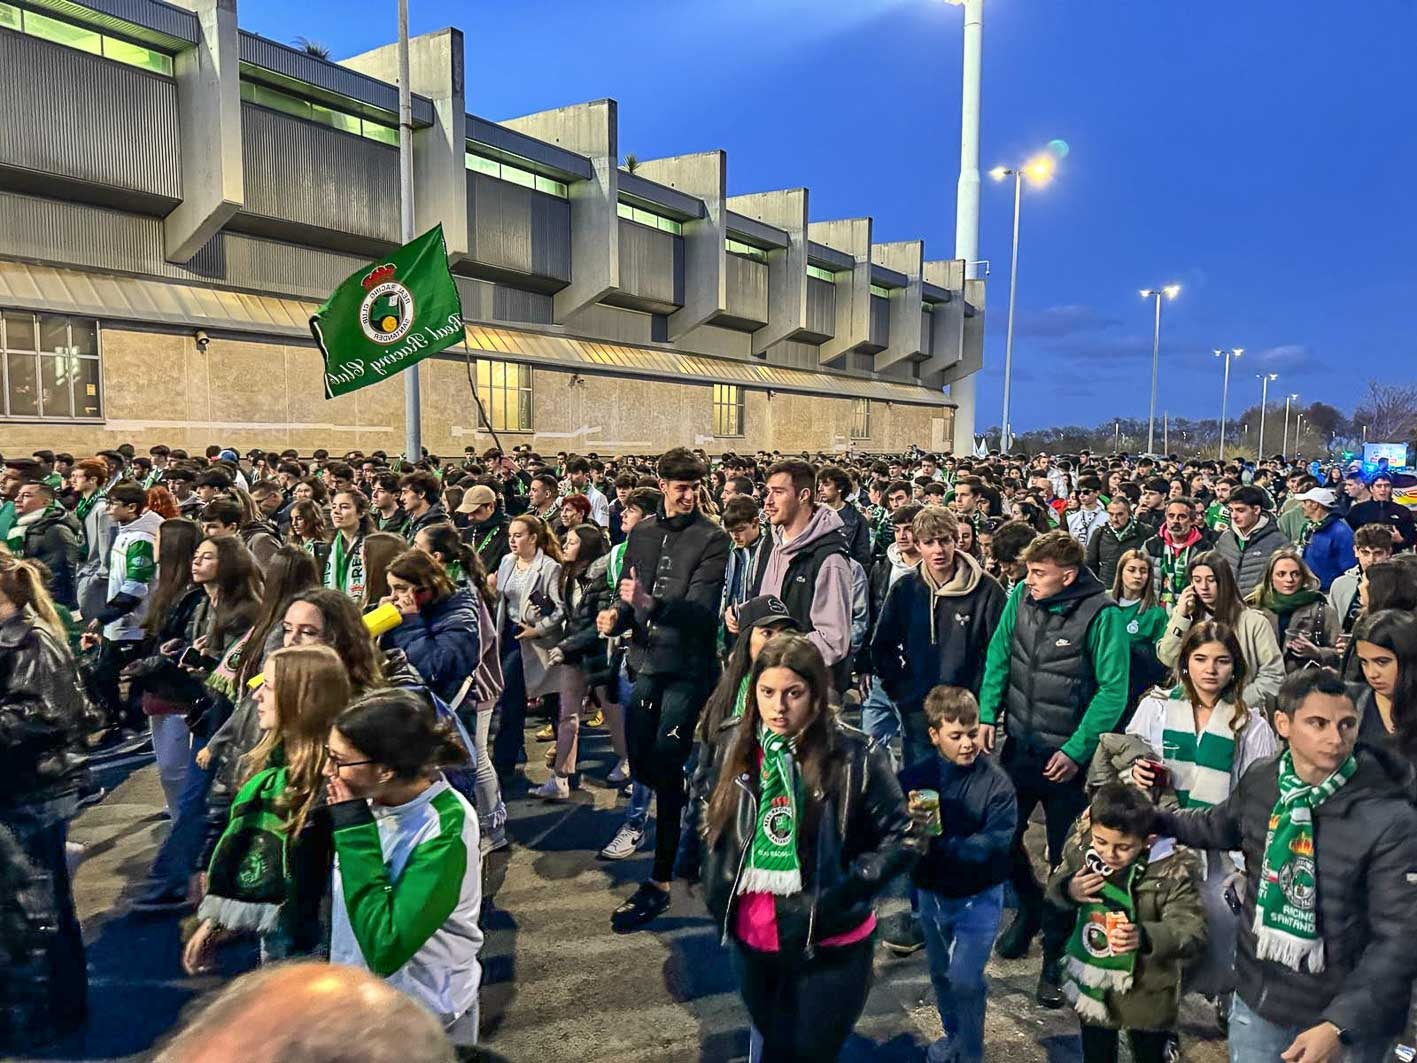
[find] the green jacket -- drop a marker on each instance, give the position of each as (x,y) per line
(1109,647)
(1168,906)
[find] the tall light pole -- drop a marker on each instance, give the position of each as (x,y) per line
(1170,291)
(1038,169)
(412,407)
(1264,379)
(962,391)
(1284,449)
(1225,391)
(1298,427)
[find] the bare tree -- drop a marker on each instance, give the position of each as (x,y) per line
(1389,411)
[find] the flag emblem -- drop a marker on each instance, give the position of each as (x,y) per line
(386,312)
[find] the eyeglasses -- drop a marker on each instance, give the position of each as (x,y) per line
(334,759)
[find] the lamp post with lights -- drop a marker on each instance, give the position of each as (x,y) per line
(1284,447)
(1170,291)
(1225,390)
(1264,379)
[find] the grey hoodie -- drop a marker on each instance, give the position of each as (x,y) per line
(831,598)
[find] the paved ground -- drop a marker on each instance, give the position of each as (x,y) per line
(558,985)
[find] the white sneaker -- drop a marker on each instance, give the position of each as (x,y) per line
(625,844)
(554,789)
(620,774)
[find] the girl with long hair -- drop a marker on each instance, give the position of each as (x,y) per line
(968,541)
(439,633)
(270,868)
(344,564)
(406,894)
(1212,594)
(161,502)
(327,617)
(443,543)
(1305,624)
(1134,591)
(804,826)
(1206,737)
(530,618)
(1385,644)
(585,559)
(309,531)
(380,549)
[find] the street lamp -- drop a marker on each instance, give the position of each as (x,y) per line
(1225,391)
(1170,291)
(1285,448)
(1037,169)
(1264,379)
(967,198)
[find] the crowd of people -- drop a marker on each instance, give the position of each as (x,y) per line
(1200,676)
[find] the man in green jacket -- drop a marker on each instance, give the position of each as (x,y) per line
(1055,680)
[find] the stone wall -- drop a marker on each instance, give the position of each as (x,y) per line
(158,388)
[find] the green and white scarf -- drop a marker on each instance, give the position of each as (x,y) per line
(773,865)
(1200,765)
(1089,966)
(741,701)
(1127,531)
(344,568)
(1306,535)
(1286,906)
(246,882)
(616,565)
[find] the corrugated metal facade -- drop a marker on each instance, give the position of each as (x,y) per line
(518,229)
(821,307)
(880,322)
(651,268)
(81,116)
(747,290)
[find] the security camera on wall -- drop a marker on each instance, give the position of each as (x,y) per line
(203,341)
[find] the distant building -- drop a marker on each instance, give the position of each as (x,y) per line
(163,172)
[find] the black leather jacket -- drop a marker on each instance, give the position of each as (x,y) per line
(864,838)
(42,712)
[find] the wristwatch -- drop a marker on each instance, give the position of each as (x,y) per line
(1345,1037)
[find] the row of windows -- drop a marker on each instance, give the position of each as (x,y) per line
(503,171)
(49,366)
(298,107)
(929,308)
(737,247)
(84,39)
(821,274)
(884,293)
(648,217)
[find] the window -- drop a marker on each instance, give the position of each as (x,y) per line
(84,39)
(821,274)
(504,171)
(50,366)
(861,419)
(505,391)
(884,293)
(319,113)
(737,247)
(648,217)
(727,410)
(929,308)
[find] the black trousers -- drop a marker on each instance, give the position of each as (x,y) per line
(804,1009)
(659,735)
(113,656)
(1062,804)
(507,733)
(1100,1045)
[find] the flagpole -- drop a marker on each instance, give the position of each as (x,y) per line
(412,412)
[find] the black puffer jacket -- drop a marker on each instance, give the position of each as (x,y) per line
(582,645)
(162,676)
(42,712)
(864,837)
(1365,842)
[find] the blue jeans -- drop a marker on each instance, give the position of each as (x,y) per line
(879,718)
(637,815)
(182,848)
(1256,1040)
(959,932)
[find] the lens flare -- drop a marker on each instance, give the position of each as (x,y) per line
(1059,148)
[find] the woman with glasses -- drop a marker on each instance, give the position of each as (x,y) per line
(406,891)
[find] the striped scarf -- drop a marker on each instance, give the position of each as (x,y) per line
(1199,765)
(1090,968)
(773,865)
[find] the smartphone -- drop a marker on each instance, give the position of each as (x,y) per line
(1232,899)
(542,603)
(195,659)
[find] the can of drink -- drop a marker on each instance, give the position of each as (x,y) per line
(1114,921)
(925,806)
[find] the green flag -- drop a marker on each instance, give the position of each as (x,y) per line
(389,316)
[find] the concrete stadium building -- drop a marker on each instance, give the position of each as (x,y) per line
(177,195)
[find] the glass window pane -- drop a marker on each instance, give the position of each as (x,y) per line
(87,385)
(83,335)
(480,164)
(136,55)
(53,333)
(248,92)
(518,176)
(19,330)
(625,210)
(55,373)
(24,385)
(65,33)
(280,101)
(382,133)
(524,411)
(9,16)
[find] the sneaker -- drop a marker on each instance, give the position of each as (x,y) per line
(595,719)
(172,900)
(625,844)
(491,843)
(1050,985)
(1221,1004)
(644,904)
(901,934)
(620,774)
(1013,943)
(546,734)
(556,788)
(93,796)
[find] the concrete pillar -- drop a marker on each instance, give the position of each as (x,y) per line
(590,129)
(440,150)
(947,322)
(705,177)
(853,294)
(787,269)
(906,257)
(961,377)
(209,119)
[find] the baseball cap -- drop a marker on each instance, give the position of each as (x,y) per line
(1382,475)
(764,610)
(1322,495)
(477,495)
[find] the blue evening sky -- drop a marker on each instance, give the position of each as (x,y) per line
(1258,152)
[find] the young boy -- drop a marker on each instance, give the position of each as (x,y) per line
(960,880)
(1139,920)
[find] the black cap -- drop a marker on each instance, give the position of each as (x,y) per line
(765,609)
(1381,474)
